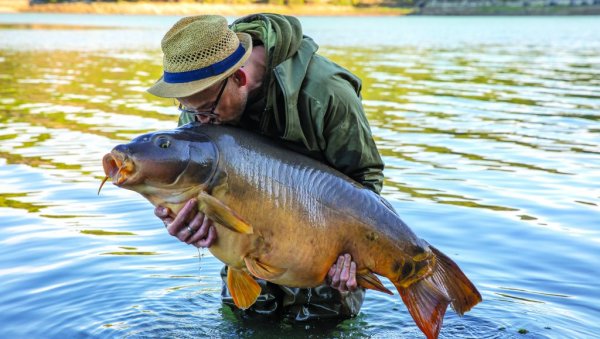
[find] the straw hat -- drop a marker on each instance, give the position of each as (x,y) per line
(199,51)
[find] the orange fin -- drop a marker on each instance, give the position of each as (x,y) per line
(262,270)
(243,288)
(460,289)
(428,298)
(368,279)
(426,304)
(221,213)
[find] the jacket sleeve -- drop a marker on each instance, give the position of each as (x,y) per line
(348,142)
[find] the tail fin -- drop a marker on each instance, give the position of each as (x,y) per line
(428,298)
(459,288)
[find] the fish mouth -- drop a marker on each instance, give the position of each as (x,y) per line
(118,167)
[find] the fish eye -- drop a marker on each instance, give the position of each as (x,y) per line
(163,142)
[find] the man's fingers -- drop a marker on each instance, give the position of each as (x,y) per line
(345,275)
(342,274)
(179,223)
(188,225)
(183,234)
(331,272)
(335,280)
(210,238)
(185,213)
(200,225)
(351,284)
(164,214)
(161,212)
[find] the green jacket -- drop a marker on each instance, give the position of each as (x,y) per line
(313,106)
(308,102)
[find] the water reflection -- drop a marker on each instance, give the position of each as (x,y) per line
(491,153)
(12,200)
(103,233)
(43,26)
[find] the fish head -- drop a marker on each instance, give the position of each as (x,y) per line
(167,159)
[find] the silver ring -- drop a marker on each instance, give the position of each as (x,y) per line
(190,230)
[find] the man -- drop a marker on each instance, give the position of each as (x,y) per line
(262,74)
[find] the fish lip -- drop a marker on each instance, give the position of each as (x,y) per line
(119,167)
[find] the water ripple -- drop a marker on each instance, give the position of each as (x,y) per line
(490,137)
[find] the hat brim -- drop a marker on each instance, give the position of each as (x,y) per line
(185,89)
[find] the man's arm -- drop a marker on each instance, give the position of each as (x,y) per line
(350,147)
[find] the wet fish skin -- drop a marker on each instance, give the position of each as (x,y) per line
(285,218)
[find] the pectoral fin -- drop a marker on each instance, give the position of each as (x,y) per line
(221,213)
(243,288)
(368,279)
(262,270)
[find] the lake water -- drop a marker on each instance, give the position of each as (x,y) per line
(489,128)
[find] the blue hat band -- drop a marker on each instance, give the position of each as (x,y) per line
(205,72)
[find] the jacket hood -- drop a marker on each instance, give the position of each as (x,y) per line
(289,53)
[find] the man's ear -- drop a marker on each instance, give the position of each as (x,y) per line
(241,77)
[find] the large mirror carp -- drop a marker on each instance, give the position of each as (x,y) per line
(285,218)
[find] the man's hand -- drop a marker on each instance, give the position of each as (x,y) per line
(342,275)
(189,225)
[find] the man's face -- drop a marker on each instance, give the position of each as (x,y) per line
(224,102)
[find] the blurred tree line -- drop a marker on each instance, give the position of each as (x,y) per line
(359,3)
(369,3)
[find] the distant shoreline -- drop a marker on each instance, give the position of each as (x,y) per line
(237,10)
(509,10)
(20,6)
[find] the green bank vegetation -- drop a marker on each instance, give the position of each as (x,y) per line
(324,7)
(223,7)
(308,7)
(359,3)
(507,7)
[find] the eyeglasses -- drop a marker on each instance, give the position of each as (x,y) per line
(210,113)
